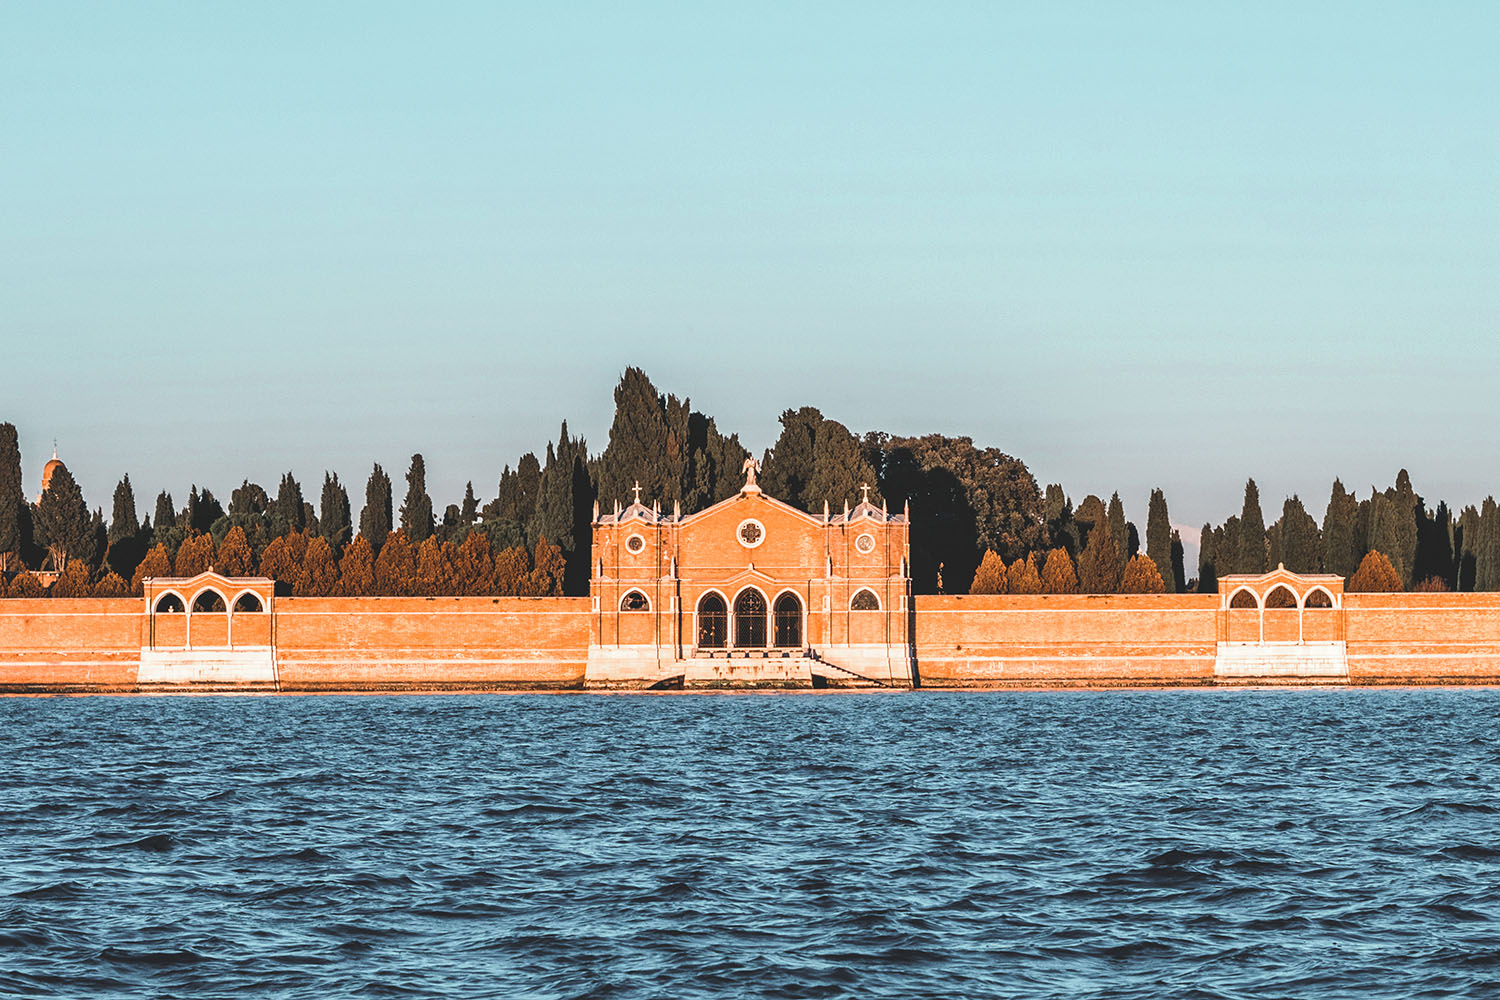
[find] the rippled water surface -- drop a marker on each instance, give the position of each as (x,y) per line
(1150,844)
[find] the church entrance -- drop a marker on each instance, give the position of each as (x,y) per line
(713,622)
(750,619)
(788,613)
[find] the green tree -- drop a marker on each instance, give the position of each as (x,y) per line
(1120,529)
(288,515)
(122,521)
(334,522)
(249,500)
(1252,533)
(1099,565)
(1159,538)
(563,510)
(1208,569)
(1341,550)
(62,519)
(469,512)
(375,519)
(416,509)
(1466,540)
(13,508)
(1179,573)
(1299,537)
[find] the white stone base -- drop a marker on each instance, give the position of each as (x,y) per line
(1322,661)
(241,665)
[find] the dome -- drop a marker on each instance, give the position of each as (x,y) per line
(53,464)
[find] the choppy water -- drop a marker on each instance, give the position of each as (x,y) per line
(1183,844)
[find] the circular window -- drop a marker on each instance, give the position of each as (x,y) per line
(634,544)
(751,533)
(865,543)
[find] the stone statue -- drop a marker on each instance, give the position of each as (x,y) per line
(750,468)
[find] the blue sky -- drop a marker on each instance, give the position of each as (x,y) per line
(1133,244)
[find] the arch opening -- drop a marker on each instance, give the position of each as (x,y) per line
(713,622)
(1317,598)
(635,601)
(788,613)
(1281,597)
(864,600)
(750,619)
(248,604)
(1243,599)
(209,601)
(169,604)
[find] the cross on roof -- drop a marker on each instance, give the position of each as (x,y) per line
(866,488)
(637,489)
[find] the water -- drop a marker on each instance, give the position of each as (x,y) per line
(1149,844)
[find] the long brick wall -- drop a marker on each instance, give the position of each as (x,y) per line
(354,643)
(1065,640)
(387,643)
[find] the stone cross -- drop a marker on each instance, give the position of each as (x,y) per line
(637,488)
(866,488)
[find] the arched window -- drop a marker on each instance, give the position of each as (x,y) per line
(1243,599)
(1281,597)
(210,601)
(635,601)
(750,619)
(713,622)
(788,612)
(169,604)
(248,603)
(865,600)
(1317,598)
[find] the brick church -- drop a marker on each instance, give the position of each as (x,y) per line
(750,592)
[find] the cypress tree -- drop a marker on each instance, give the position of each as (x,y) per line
(62,518)
(840,469)
(357,569)
(1179,573)
(320,572)
(416,509)
(1208,571)
(1099,565)
(1487,546)
(1142,577)
(1119,530)
(1058,576)
(1341,551)
(122,521)
(563,508)
(1299,537)
(13,506)
(375,519)
(990,577)
(469,512)
(1091,513)
(288,514)
(166,514)
(333,509)
(1466,542)
(234,557)
(248,500)
(1022,576)
(158,562)
(1159,538)
(1252,555)
(787,467)
(1375,575)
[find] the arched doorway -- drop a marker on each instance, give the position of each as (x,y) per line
(750,619)
(788,614)
(713,622)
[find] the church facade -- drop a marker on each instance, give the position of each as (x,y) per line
(750,592)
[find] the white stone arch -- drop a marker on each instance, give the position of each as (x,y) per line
(1318,588)
(734,617)
(1243,589)
(802,613)
(252,593)
(635,611)
(728,617)
(209,589)
(156,602)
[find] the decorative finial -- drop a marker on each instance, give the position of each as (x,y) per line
(865,490)
(825,510)
(637,488)
(677,510)
(54,447)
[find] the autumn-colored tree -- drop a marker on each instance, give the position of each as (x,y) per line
(1142,576)
(990,577)
(434,568)
(1099,563)
(1022,576)
(195,555)
(396,566)
(473,566)
(547,570)
(1431,585)
(1375,575)
(512,576)
(320,572)
(74,581)
(157,563)
(113,585)
(283,562)
(234,557)
(25,585)
(1058,576)
(357,569)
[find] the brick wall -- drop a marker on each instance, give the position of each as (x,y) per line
(63,644)
(1423,638)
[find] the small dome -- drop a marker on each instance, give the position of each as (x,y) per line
(53,464)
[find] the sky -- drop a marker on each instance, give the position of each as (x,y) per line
(1135,245)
